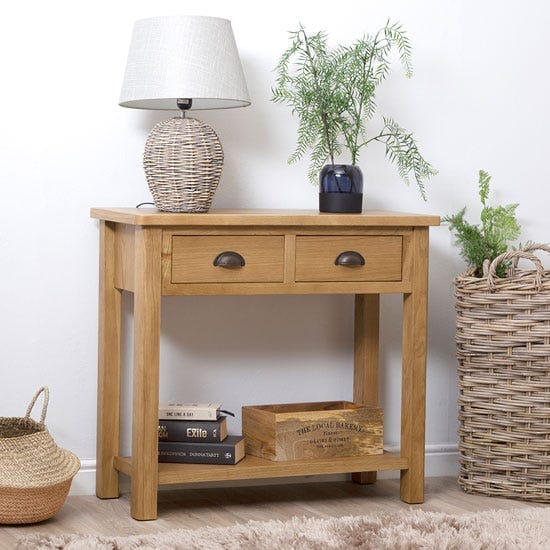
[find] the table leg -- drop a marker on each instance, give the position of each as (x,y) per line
(366,351)
(413,383)
(108,377)
(147,299)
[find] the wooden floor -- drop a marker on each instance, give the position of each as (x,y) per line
(193,508)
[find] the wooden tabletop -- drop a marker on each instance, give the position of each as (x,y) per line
(244,217)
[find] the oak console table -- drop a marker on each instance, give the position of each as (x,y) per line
(154,254)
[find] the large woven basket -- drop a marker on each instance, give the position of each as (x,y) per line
(35,474)
(503,348)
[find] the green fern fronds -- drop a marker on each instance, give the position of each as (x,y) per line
(489,239)
(395,35)
(483,186)
(401,149)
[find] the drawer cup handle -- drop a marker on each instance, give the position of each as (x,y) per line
(229,259)
(350,258)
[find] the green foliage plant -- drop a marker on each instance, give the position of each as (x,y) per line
(490,238)
(333,94)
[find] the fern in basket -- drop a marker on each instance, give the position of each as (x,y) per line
(490,238)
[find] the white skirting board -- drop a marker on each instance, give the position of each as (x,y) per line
(441,460)
(84,481)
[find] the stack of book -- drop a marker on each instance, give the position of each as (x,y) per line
(196,433)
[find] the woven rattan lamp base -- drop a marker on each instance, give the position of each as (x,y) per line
(183,161)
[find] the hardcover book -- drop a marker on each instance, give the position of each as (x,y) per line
(190,411)
(198,431)
(229,451)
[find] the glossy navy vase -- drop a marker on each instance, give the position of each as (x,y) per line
(341,189)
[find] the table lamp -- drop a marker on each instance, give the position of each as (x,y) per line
(181,63)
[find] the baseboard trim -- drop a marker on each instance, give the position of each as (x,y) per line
(441,460)
(84,481)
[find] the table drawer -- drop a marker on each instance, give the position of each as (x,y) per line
(194,258)
(364,258)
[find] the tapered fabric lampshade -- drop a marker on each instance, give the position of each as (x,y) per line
(183,62)
(191,57)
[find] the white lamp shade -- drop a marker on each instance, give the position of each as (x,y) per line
(187,57)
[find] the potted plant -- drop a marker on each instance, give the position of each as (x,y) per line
(481,244)
(503,352)
(333,93)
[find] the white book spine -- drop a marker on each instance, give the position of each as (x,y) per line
(192,411)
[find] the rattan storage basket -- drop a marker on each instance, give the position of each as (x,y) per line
(35,474)
(503,349)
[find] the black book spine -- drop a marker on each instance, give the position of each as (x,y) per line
(199,453)
(191,431)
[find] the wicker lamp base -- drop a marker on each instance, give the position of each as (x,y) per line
(183,161)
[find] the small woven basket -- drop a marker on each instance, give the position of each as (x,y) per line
(183,161)
(35,474)
(503,349)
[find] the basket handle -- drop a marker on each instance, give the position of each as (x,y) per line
(530,247)
(515,255)
(46,392)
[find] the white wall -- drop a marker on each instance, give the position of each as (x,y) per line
(479,99)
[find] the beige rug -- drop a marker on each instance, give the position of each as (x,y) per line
(499,530)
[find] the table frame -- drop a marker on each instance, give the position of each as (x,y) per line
(133,255)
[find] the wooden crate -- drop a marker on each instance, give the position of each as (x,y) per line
(293,431)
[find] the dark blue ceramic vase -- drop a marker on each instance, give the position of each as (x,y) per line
(341,189)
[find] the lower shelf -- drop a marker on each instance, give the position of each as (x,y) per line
(252,467)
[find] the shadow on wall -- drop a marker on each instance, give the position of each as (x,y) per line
(253,327)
